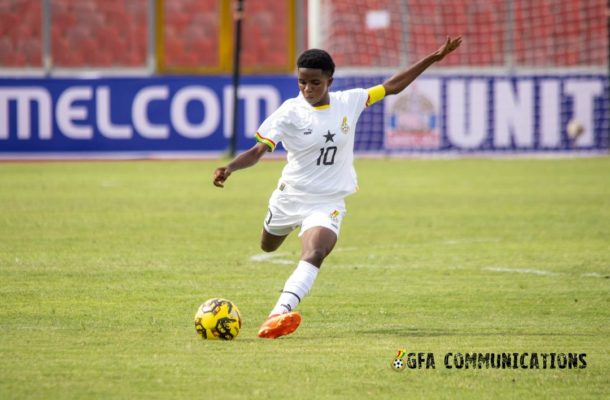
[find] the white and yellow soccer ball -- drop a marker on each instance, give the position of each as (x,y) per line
(575,129)
(218,319)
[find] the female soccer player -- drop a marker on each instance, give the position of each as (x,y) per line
(317,130)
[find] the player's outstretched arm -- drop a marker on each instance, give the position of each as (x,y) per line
(402,79)
(246,159)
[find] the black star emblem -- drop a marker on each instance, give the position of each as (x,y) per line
(329,137)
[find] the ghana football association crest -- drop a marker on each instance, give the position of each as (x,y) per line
(344,125)
(335,215)
(399,364)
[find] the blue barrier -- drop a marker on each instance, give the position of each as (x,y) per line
(152,115)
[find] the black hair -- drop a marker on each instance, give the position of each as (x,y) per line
(318,59)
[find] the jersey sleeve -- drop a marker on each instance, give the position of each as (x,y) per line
(272,129)
(375,94)
(355,98)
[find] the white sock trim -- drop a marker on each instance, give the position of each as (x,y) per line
(297,286)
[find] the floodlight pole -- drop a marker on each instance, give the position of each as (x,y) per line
(237,16)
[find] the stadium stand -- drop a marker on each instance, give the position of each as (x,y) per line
(536,38)
(20,33)
(550,33)
(349,34)
(99,33)
(191,31)
(267,33)
(112,33)
(192,35)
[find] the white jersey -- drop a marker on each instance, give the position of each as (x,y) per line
(319,142)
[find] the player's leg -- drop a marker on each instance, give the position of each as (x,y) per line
(316,244)
(271,242)
(318,238)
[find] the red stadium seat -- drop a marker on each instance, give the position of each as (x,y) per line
(112,33)
(191,33)
(94,29)
(550,33)
(20,35)
(265,35)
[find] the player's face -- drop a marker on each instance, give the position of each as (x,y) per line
(314,84)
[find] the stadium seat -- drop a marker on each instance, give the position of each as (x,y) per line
(265,36)
(96,30)
(191,33)
(20,34)
(550,33)
(546,33)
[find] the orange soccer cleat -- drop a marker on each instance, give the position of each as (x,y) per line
(279,325)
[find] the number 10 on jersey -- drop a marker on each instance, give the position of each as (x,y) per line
(327,156)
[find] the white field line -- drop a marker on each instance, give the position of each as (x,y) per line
(272,258)
(277,258)
(594,275)
(469,241)
(364,266)
(450,242)
(109,184)
(342,249)
(522,271)
(542,272)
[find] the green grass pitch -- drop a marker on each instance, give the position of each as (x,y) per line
(103,265)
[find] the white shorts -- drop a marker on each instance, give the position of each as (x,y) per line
(288,212)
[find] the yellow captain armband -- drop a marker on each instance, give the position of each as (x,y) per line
(376,93)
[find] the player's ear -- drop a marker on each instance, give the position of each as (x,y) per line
(330,81)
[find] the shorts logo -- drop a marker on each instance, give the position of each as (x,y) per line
(334,215)
(344,125)
(307,132)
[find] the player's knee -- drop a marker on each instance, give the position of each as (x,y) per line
(315,256)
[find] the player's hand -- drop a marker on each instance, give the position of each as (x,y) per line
(220,176)
(450,45)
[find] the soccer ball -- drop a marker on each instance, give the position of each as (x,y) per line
(398,364)
(574,129)
(218,319)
